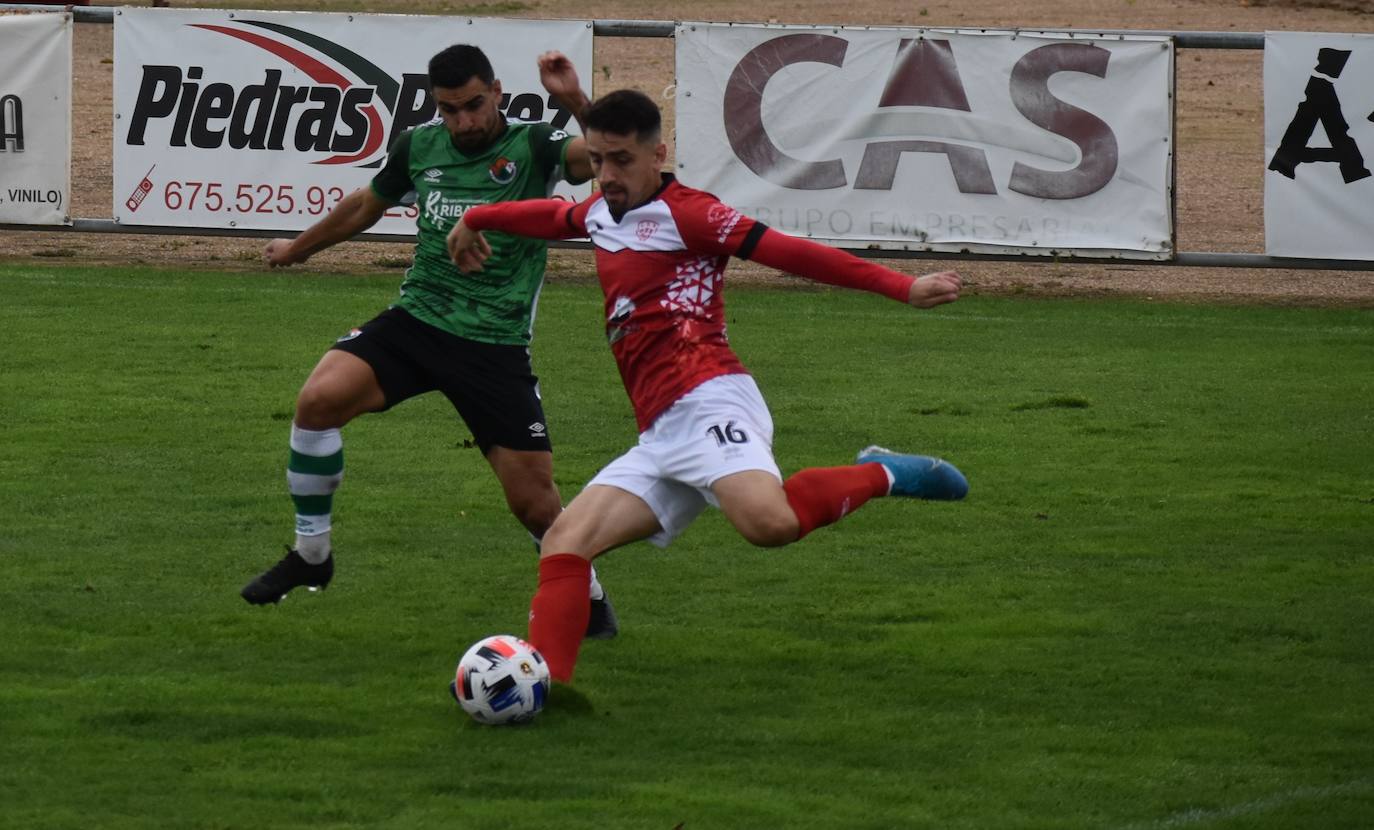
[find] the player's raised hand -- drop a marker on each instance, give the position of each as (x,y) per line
(557,74)
(467,248)
(935,289)
(278,254)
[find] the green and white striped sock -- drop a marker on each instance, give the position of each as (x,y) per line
(312,476)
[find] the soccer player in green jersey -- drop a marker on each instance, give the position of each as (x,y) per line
(466,336)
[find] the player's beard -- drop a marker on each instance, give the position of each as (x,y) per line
(472,143)
(617,201)
(476,141)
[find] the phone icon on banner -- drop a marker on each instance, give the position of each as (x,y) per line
(141,192)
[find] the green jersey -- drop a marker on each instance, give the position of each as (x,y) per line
(495,305)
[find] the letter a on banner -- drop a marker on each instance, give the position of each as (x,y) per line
(1318,143)
(1322,105)
(35,118)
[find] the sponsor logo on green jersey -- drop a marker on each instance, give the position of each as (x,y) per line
(443,211)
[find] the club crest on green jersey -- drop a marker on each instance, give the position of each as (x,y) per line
(502,171)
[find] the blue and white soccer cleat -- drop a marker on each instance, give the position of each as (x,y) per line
(918,476)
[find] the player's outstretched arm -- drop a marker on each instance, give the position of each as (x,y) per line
(559,77)
(535,218)
(354,214)
(836,267)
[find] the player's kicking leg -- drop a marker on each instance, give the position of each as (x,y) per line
(769,513)
(746,482)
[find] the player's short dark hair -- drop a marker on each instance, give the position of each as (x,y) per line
(626,112)
(459,64)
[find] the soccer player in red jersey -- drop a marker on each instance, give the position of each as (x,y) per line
(705,432)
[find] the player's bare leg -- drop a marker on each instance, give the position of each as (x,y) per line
(341,387)
(756,504)
(769,513)
(599,519)
(527,478)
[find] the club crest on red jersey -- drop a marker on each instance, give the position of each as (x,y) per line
(645,229)
(502,171)
(724,219)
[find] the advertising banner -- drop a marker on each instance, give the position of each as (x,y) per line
(35,118)
(1319,145)
(926,139)
(255,119)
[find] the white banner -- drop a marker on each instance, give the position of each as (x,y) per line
(35,118)
(267,119)
(1319,145)
(930,139)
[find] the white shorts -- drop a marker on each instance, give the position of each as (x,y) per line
(720,428)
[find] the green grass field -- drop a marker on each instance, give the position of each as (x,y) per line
(1155,610)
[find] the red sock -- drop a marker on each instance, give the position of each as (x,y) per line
(823,495)
(559,611)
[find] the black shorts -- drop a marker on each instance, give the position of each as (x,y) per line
(491,386)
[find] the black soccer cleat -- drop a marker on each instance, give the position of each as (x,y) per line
(602,624)
(291,572)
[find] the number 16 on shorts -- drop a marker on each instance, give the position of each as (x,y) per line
(727,434)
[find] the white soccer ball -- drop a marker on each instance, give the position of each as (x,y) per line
(502,679)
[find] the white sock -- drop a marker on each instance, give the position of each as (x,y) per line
(313,549)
